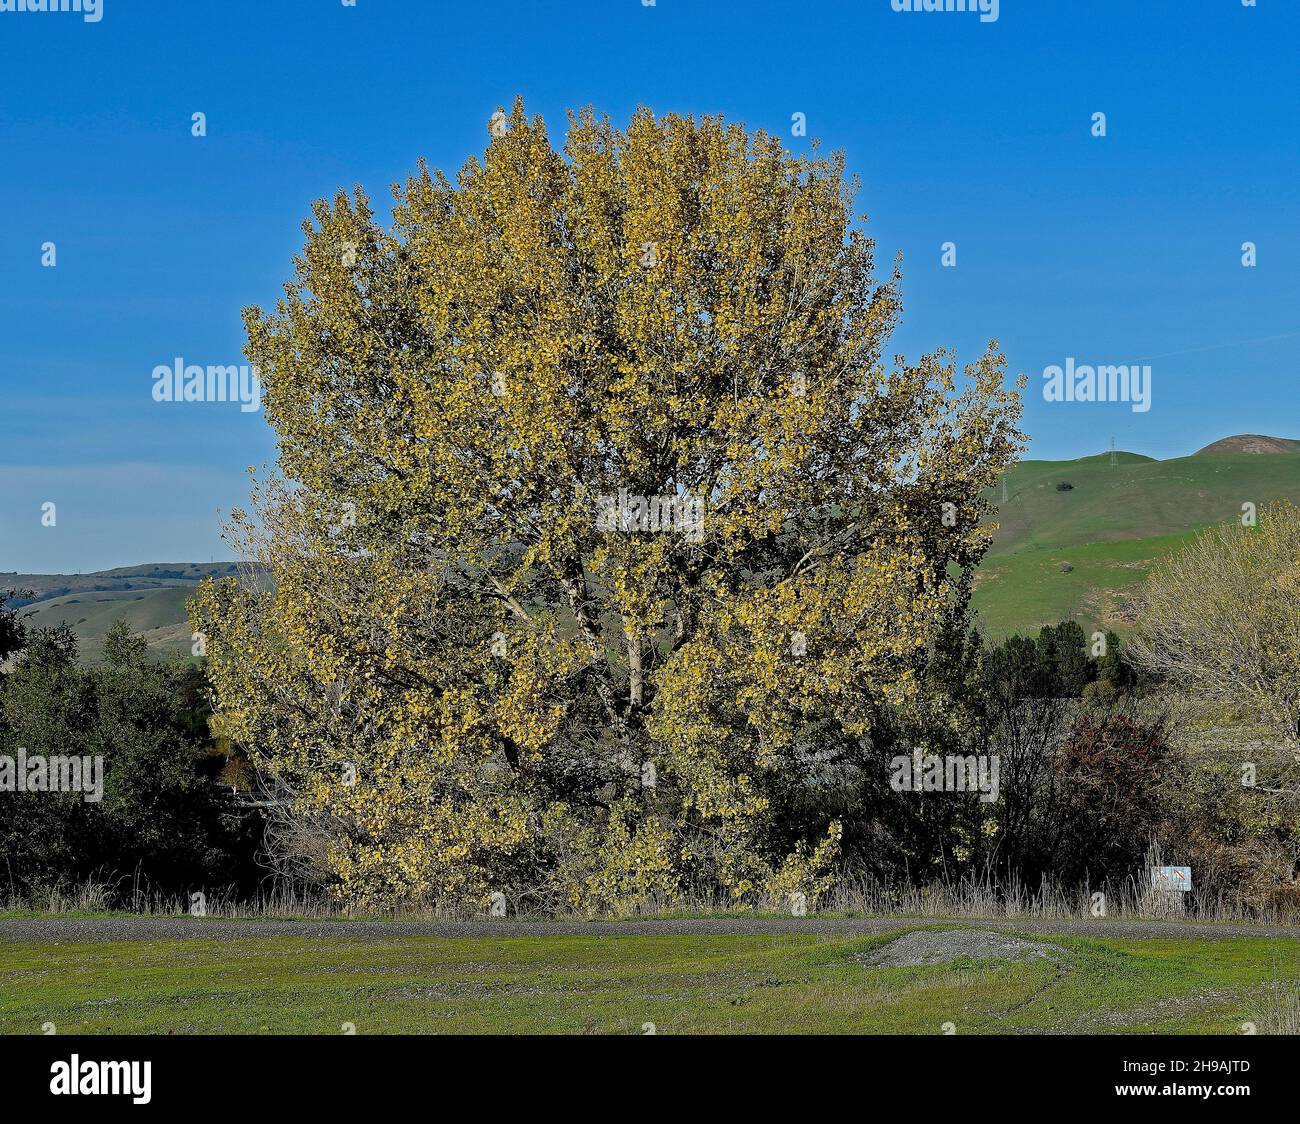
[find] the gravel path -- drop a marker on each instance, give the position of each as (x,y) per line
(21,930)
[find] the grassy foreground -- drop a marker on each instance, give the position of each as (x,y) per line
(772,983)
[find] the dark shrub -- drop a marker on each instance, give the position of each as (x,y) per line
(163,817)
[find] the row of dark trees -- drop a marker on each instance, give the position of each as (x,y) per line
(1080,758)
(166,824)
(1078,768)
(1063,662)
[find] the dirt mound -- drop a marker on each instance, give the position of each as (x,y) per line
(931,946)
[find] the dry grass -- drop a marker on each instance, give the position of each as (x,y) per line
(1279,1011)
(973,898)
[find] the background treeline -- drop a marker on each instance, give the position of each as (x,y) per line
(1091,773)
(169,822)
(1079,752)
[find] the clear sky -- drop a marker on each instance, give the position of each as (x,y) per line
(1119,249)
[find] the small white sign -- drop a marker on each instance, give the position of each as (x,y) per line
(1171,877)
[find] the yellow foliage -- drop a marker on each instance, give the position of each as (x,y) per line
(462,681)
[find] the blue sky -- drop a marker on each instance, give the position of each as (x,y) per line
(1110,250)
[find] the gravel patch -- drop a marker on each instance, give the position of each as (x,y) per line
(942,946)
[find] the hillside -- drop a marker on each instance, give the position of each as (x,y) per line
(1117,515)
(1136,498)
(1075,541)
(1250,443)
(150,598)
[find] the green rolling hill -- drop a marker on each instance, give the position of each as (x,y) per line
(1075,541)
(150,598)
(1108,519)
(159,614)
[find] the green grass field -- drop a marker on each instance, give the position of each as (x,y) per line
(771,983)
(1137,498)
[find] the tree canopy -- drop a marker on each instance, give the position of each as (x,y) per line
(598,507)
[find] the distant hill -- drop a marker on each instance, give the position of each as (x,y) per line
(1250,443)
(1108,518)
(150,598)
(1075,541)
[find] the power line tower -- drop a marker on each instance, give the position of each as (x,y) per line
(1113,461)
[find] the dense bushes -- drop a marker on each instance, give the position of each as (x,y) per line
(1221,625)
(1089,776)
(1242,838)
(163,821)
(1077,760)
(1109,768)
(1079,763)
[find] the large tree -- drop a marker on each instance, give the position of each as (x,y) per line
(597,508)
